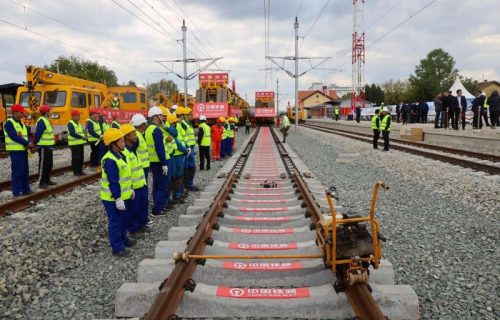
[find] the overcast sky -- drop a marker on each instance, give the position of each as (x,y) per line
(234,29)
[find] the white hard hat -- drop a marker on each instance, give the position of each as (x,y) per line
(154,111)
(137,120)
(203,118)
(385,109)
(174,107)
(115,98)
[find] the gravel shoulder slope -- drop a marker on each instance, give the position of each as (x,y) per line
(441,221)
(56,262)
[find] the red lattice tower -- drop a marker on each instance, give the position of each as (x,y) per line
(358,54)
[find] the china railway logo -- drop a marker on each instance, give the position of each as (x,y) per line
(201,107)
(240,265)
(243,245)
(236,292)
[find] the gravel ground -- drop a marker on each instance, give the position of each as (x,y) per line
(56,261)
(62,157)
(441,221)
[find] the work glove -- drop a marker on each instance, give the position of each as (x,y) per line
(120,204)
(164,169)
(188,151)
(133,195)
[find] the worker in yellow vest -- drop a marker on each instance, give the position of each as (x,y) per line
(180,152)
(158,156)
(76,142)
(94,133)
(116,122)
(140,124)
(116,191)
(17,144)
(45,141)
(204,139)
(186,125)
(138,212)
(385,127)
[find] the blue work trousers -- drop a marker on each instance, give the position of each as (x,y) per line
(160,186)
(20,173)
(223,148)
(190,169)
(138,213)
(117,225)
(146,173)
(170,177)
(178,178)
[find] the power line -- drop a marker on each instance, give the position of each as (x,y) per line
(315,21)
(154,22)
(384,14)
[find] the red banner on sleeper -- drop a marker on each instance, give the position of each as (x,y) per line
(263,293)
(264,112)
(262,266)
(210,110)
(263,219)
(262,246)
(263,231)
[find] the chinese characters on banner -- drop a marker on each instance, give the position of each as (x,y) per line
(264,112)
(264,95)
(263,293)
(206,79)
(124,116)
(235,112)
(211,110)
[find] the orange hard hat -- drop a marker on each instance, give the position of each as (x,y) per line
(75,113)
(93,110)
(44,109)
(17,108)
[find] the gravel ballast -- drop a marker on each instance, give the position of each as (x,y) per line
(56,261)
(441,220)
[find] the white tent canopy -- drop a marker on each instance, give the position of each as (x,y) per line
(459,85)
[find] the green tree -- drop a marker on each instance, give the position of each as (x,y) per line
(396,91)
(83,69)
(435,73)
(131,83)
(167,87)
(471,85)
(374,93)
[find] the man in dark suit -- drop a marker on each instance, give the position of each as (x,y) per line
(461,107)
(453,111)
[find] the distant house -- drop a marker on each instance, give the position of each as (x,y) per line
(316,102)
(489,86)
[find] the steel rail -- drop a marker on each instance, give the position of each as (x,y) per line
(6,185)
(5,154)
(491,169)
(172,289)
(462,152)
(28,200)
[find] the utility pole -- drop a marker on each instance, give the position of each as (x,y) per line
(184,59)
(277,96)
(296,74)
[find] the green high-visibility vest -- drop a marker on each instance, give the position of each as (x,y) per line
(337,111)
(142,151)
(21,130)
(153,156)
(374,122)
(115,124)
(105,126)
(181,137)
(47,138)
(124,174)
(72,141)
(190,138)
(136,170)
(383,123)
(226,133)
(205,141)
(486,105)
(97,130)
(115,104)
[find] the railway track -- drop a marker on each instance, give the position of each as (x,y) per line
(247,248)
(6,185)
(468,159)
(27,201)
(5,154)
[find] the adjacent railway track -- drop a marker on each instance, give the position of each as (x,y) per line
(468,159)
(250,247)
(27,201)
(5,154)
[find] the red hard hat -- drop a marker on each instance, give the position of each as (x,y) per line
(75,112)
(17,108)
(44,109)
(93,110)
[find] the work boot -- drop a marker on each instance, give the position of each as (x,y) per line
(121,254)
(138,235)
(51,183)
(130,243)
(43,186)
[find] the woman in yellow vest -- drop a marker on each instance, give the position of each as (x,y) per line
(17,144)
(44,140)
(76,142)
(116,190)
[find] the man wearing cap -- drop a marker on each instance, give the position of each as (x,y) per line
(44,140)
(116,191)
(204,139)
(385,127)
(17,144)
(76,142)
(216,136)
(95,131)
(138,211)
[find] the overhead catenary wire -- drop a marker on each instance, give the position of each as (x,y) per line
(315,21)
